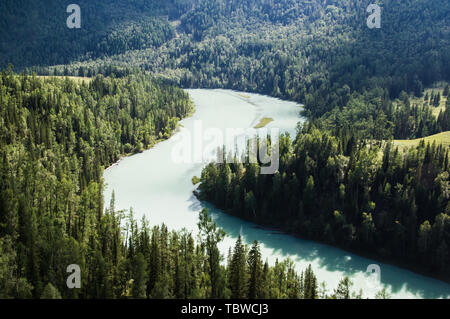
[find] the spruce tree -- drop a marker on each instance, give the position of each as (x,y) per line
(343,289)
(238,271)
(256,272)
(211,235)
(139,277)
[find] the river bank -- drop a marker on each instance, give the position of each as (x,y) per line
(420,270)
(162,191)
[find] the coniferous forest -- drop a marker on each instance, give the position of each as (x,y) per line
(367,171)
(354,194)
(57,137)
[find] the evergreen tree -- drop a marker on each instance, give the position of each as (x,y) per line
(238,271)
(139,277)
(256,279)
(309,284)
(343,289)
(211,235)
(383,294)
(50,292)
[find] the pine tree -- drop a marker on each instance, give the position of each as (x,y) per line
(139,277)
(211,236)
(322,292)
(265,281)
(383,294)
(343,289)
(50,292)
(310,284)
(238,271)
(155,262)
(256,272)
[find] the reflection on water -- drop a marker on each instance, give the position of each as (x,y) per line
(162,190)
(327,260)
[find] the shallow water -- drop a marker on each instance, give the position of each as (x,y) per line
(158,184)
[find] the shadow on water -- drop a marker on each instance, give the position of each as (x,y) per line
(168,191)
(326,257)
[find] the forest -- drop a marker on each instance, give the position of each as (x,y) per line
(364,195)
(374,115)
(317,53)
(341,180)
(57,136)
(34,32)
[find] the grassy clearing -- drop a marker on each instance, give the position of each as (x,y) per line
(73,78)
(264,122)
(441,138)
(439,88)
(244,96)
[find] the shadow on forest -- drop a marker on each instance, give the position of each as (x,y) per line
(327,257)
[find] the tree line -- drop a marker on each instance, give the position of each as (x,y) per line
(374,115)
(31,36)
(56,137)
(348,192)
(317,53)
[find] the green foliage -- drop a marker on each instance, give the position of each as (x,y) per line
(256,285)
(55,139)
(338,189)
(343,290)
(374,116)
(32,36)
(383,294)
(211,235)
(238,271)
(50,292)
(57,135)
(315,52)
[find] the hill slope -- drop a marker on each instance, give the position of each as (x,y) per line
(441,138)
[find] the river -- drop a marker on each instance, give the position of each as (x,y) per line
(158,184)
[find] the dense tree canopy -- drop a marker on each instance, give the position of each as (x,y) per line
(314,52)
(347,192)
(56,137)
(340,180)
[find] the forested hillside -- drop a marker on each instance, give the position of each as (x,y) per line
(347,192)
(340,181)
(373,115)
(34,32)
(320,53)
(56,137)
(315,52)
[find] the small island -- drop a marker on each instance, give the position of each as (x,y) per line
(264,122)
